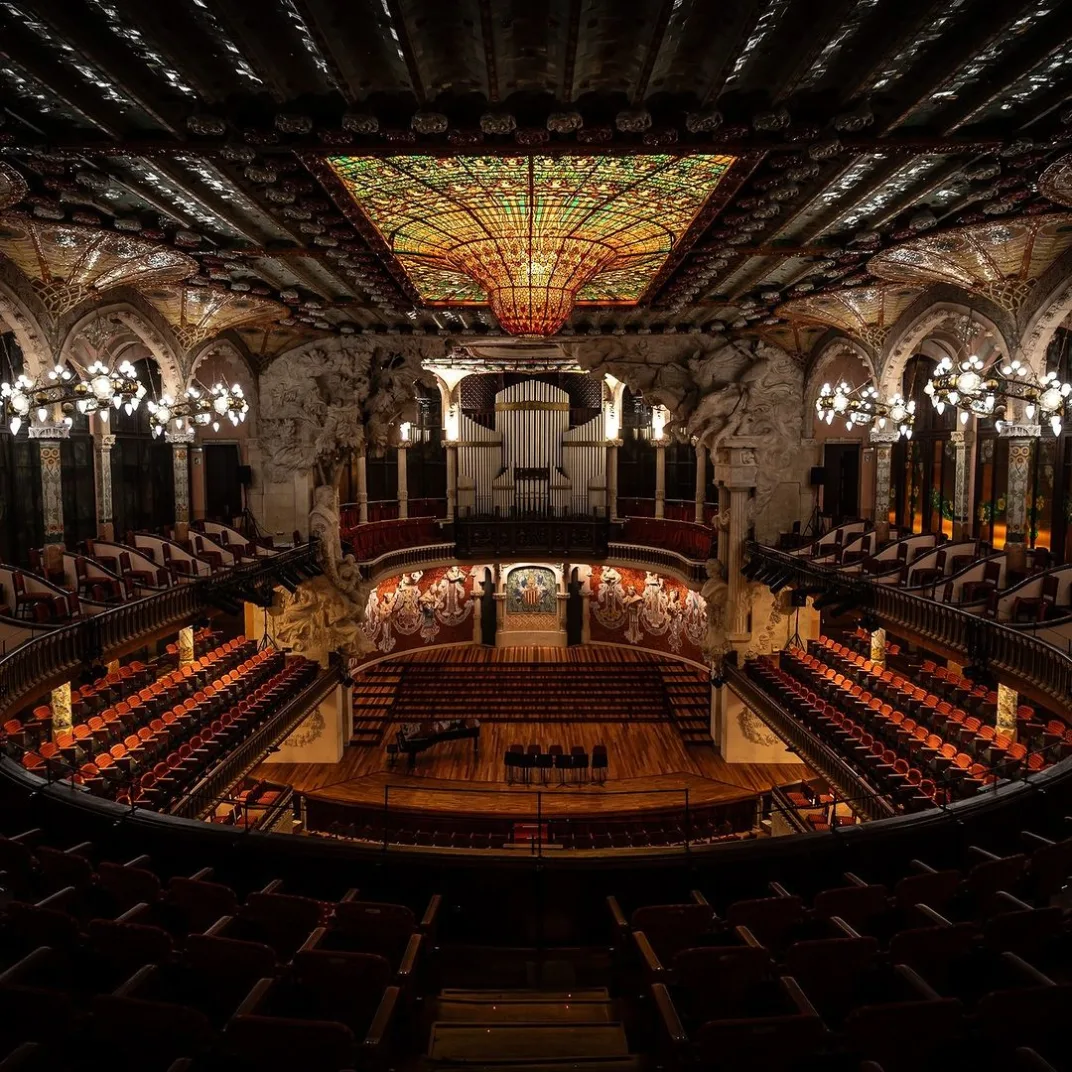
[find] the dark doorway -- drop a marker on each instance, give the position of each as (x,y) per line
(841,488)
(223,488)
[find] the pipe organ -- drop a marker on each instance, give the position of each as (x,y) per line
(532,461)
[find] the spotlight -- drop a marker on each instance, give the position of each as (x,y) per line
(780,581)
(799,597)
(751,568)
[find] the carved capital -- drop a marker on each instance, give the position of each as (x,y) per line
(49,430)
(1020,431)
(883,435)
(180,439)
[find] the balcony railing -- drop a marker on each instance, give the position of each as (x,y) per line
(981,640)
(62,651)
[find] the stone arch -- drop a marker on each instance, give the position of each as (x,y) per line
(824,356)
(926,317)
(1048,313)
(239,367)
(140,323)
(26,324)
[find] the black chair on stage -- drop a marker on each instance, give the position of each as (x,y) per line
(544,763)
(599,762)
(562,762)
(579,758)
(510,759)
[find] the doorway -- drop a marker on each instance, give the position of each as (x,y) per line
(841,484)
(223,486)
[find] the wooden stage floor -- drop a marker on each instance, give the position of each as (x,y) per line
(643,757)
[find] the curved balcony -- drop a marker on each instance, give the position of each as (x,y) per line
(1038,668)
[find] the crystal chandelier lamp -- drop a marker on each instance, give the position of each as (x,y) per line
(101,391)
(200,406)
(974,390)
(862,406)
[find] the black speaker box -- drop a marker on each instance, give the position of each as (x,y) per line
(818,474)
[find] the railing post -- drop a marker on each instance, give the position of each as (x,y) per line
(386,811)
(688,820)
(539,822)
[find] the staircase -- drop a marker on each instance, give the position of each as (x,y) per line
(535,1030)
(688,694)
(374,694)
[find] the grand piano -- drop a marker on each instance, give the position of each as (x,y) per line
(414,737)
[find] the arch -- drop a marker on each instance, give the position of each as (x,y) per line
(26,325)
(925,317)
(1048,314)
(239,367)
(825,355)
(140,323)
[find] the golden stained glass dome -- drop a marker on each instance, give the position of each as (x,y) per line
(531,235)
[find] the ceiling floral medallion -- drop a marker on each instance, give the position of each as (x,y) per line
(531,235)
(862,312)
(12,186)
(67,261)
(1055,182)
(198,313)
(1001,260)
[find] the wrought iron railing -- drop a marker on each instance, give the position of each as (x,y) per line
(47,658)
(982,640)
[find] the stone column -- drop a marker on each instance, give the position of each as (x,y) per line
(735,469)
(1017,525)
(452,480)
(186,646)
(701,482)
(61,710)
(1008,701)
(612,478)
(660,479)
(362,487)
(878,647)
(103,466)
(180,461)
(403,480)
(197,481)
(883,439)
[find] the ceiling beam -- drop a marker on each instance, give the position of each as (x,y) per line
(658,36)
(405,45)
(573,33)
(112,60)
(17,44)
(487,31)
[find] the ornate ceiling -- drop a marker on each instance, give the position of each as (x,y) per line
(857,126)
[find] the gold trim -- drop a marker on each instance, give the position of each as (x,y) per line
(562,407)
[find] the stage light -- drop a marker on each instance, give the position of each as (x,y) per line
(780,581)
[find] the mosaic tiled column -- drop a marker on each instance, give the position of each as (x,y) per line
(878,647)
(1008,701)
(701,483)
(452,480)
(883,441)
(180,461)
(660,480)
(48,436)
(62,719)
(103,465)
(197,481)
(403,481)
(1020,437)
(962,490)
(186,646)
(735,468)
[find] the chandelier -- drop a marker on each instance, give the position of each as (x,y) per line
(201,406)
(102,390)
(976,391)
(861,406)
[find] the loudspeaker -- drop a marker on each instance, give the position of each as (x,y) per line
(798,597)
(818,474)
(245,475)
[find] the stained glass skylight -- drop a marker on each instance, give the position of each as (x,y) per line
(531,235)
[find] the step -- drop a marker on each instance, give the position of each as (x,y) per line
(580,993)
(477,1042)
(533,1011)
